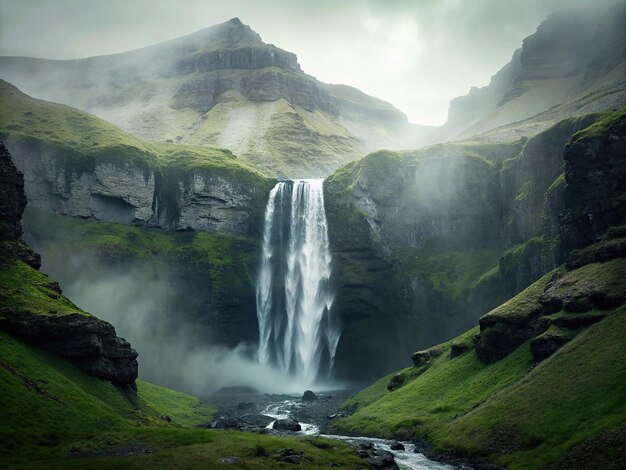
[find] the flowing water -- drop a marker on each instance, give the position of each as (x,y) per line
(297,332)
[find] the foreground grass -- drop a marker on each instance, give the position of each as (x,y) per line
(513,412)
(54,416)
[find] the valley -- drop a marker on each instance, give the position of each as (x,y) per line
(196,233)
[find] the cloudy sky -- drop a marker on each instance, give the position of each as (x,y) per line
(417,54)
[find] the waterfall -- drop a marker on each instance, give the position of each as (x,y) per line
(297,331)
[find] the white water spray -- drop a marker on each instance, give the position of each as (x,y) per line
(297,332)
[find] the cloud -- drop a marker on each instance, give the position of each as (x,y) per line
(417,54)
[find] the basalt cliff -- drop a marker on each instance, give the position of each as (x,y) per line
(82,339)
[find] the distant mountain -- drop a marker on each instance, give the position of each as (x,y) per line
(223,87)
(574,64)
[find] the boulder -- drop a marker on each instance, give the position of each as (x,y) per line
(420,358)
(247,406)
(309,396)
(396,382)
(376,458)
(395,445)
(458,349)
(287,424)
(227,422)
(256,420)
(545,345)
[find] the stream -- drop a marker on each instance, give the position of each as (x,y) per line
(245,412)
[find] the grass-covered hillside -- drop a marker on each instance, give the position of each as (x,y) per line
(82,140)
(55,416)
(551,393)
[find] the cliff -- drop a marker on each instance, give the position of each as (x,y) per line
(572,65)
(551,354)
(439,236)
(32,306)
(79,165)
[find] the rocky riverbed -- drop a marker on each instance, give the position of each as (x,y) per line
(309,414)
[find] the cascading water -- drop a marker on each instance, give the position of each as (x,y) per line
(297,332)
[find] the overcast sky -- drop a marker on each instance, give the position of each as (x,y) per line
(417,54)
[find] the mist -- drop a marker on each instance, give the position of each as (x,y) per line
(138,302)
(416,54)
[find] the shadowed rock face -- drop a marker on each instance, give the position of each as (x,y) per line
(12,198)
(596,186)
(595,172)
(89,343)
(86,341)
(572,65)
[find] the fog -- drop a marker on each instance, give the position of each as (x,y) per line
(140,303)
(416,54)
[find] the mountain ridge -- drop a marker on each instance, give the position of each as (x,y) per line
(573,64)
(223,87)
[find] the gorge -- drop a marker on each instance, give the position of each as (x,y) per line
(292,250)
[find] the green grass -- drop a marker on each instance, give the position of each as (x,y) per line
(601,126)
(54,416)
(227,260)
(449,387)
(26,290)
(452,272)
(80,140)
(574,395)
(513,412)
(181,408)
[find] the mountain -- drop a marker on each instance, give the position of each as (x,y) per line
(223,87)
(574,64)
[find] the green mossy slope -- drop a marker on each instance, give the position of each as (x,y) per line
(515,412)
(80,140)
(226,261)
(54,416)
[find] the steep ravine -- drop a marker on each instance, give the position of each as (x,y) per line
(539,383)
(426,242)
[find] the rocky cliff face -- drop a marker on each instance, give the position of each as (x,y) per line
(131,193)
(386,213)
(595,172)
(96,171)
(572,65)
(592,222)
(82,339)
(12,198)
